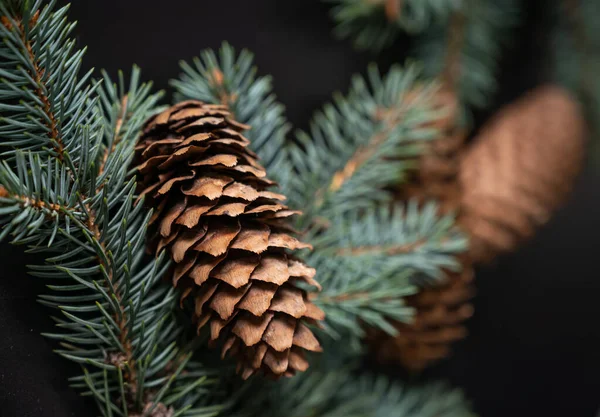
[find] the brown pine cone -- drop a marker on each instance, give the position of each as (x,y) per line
(519,170)
(439,311)
(439,163)
(228,236)
(439,322)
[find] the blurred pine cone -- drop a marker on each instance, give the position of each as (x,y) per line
(439,322)
(436,177)
(228,236)
(440,310)
(520,169)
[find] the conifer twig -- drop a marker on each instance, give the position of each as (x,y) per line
(31,202)
(392,9)
(582,46)
(116,134)
(38,77)
(383,249)
(450,75)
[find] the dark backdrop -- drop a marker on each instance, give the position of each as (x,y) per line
(534,344)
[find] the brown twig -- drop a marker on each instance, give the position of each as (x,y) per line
(121,316)
(362,155)
(582,45)
(38,77)
(224,96)
(116,134)
(393,9)
(31,202)
(344,297)
(387,250)
(456,37)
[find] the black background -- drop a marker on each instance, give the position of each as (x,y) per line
(534,344)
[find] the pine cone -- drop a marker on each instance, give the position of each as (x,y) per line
(228,237)
(439,164)
(440,313)
(520,169)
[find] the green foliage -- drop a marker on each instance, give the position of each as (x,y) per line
(338,174)
(361,144)
(44,101)
(340,393)
(227,79)
(485,30)
(369,262)
(576,56)
(67,192)
(365,21)
(70,198)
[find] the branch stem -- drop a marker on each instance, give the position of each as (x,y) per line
(383,249)
(41,90)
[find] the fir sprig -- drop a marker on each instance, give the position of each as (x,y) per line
(229,78)
(469,44)
(362,143)
(370,261)
(342,393)
(375,24)
(483,29)
(44,101)
(67,193)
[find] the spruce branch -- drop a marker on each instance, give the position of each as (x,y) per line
(37,75)
(576,50)
(116,313)
(43,100)
(375,24)
(340,392)
(354,150)
(369,262)
(230,78)
(65,191)
(464,49)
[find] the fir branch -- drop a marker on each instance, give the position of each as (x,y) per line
(375,24)
(369,262)
(339,392)
(43,99)
(230,78)
(464,49)
(37,74)
(76,203)
(390,250)
(354,150)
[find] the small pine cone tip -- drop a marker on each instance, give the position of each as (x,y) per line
(229,237)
